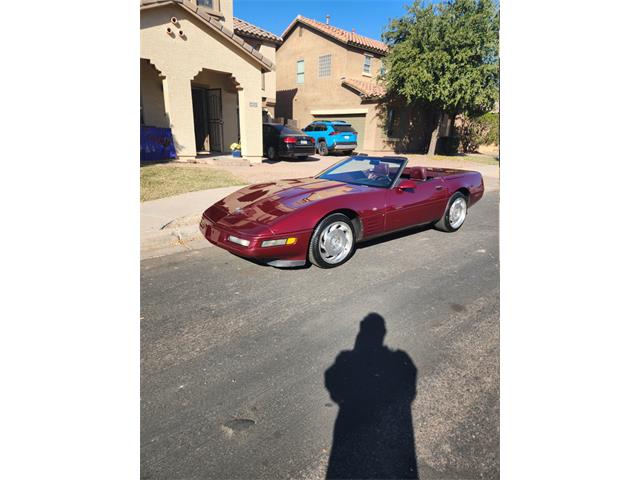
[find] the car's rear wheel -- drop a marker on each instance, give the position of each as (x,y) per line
(323,149)
(333,241)
(455,213)
(272,153)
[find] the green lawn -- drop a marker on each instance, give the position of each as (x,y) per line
(159,181)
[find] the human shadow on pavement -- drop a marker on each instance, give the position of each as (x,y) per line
(374,387)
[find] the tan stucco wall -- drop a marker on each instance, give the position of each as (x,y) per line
(297,101)
(151,96)
(180,59)
(269,51)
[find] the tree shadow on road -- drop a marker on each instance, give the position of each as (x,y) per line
(374,387)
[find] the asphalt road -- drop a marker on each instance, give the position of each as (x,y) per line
(234,357)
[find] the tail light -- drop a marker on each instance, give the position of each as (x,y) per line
(289,139)
(333,133)
(313,140)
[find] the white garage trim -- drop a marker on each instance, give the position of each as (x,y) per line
(340,111)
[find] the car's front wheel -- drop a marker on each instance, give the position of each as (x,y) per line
(455,213)
(333,241)
(323,149)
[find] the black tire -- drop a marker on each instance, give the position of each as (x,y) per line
(323,149)
(272,153)
(444,224)
(315,255)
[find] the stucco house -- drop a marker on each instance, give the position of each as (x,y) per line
(208,76)
(327,73)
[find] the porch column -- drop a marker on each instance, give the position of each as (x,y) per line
(179,107)
(250,111)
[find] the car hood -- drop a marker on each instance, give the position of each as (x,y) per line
(265,203)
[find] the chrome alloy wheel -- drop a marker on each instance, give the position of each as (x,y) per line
(457,212)
(335,243)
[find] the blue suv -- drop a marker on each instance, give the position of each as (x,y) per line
(333,136)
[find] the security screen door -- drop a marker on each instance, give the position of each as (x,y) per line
(214,102)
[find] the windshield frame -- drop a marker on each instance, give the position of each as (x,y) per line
(402,161)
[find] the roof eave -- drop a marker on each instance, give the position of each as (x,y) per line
(214,25)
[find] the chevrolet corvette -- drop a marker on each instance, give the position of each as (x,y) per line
(321,219)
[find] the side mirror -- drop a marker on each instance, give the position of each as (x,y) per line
(407,185)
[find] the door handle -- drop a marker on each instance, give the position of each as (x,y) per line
(438,187)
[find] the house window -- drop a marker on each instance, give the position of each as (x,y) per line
(300,71)
(366,68)
(324,65)
(205,3)
(382,71)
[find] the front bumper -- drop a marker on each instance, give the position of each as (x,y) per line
(278,256)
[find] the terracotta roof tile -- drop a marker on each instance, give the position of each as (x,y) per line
(344,36)
(242,27)
(365,88)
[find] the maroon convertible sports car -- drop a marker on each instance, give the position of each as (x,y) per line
(321,218)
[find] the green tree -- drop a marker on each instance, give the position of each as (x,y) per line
(444,58)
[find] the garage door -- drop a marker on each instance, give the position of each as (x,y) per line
(356,121)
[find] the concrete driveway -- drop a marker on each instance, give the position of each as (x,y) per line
(242,374)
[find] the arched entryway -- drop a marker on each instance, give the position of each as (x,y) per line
(152,108)
(215,111)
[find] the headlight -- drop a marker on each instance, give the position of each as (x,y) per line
(239,241)
(282,241)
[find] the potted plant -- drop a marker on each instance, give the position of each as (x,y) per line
(235,149)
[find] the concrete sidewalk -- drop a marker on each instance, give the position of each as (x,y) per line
(170,225)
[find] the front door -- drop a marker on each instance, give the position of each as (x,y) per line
(214,102)
(423,204)
(207,119)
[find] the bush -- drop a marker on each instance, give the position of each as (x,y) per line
(476,131)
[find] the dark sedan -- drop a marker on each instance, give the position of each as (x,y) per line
(283,141)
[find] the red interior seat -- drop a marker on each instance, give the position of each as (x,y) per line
(419,173)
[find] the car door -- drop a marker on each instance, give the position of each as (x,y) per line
(268,138)
(311,131)
(423,204)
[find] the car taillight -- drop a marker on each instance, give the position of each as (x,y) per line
(289,140)
(333,133)
(313,140)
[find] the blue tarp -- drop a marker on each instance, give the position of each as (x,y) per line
(156,144)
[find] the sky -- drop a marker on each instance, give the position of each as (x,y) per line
(368,17)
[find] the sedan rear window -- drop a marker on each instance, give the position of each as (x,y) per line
(291,131)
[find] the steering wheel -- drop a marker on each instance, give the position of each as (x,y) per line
(381,179)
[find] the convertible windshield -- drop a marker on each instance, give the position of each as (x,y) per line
(371,171)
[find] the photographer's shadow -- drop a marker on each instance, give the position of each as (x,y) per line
(374,387)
